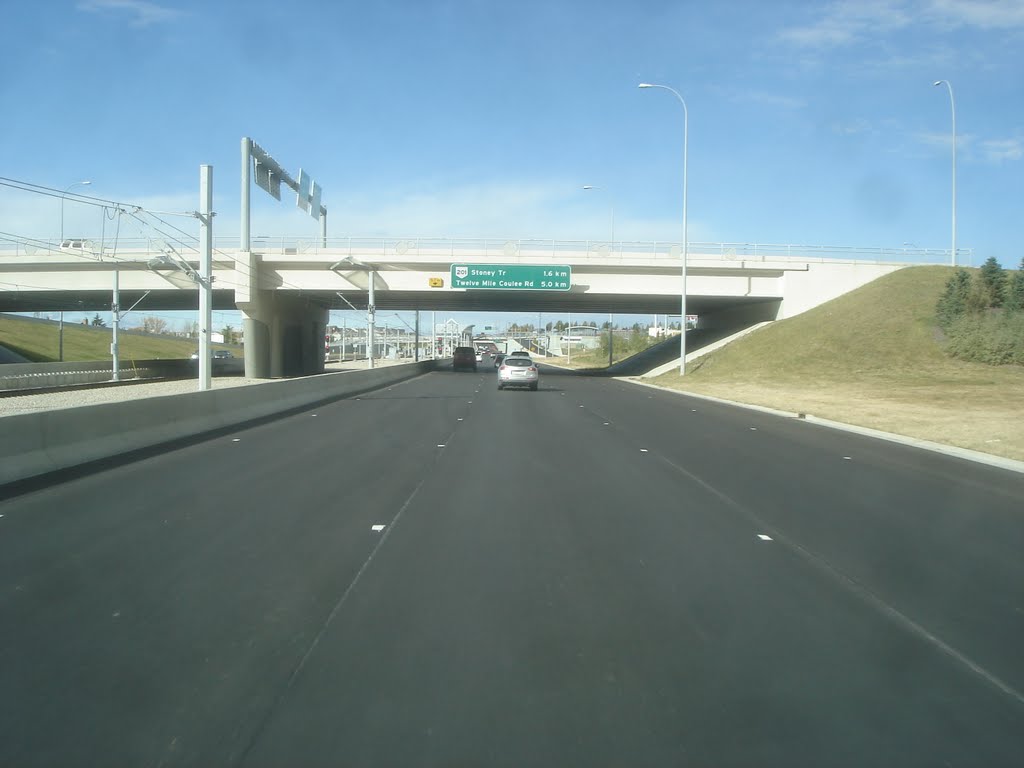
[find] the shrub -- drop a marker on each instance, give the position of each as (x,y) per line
(1014,301)
(995,338)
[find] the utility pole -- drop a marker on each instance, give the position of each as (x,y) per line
(115,321)
(205,274)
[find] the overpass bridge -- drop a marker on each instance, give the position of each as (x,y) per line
(285,287)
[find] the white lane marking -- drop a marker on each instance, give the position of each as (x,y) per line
(606,423)
(377,528)
(763,537)
(460,418)
(693,410)
(470,402)
(753,429)
(1,515)
(847,458)
(236,439)
(644,450)
(313,414)
(581,406)
(440,445)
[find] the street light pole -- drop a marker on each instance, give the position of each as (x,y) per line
(62,194)
(952,107)
(611,208)
(686,131)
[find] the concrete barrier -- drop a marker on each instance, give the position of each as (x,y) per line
(20,376)
(33,444)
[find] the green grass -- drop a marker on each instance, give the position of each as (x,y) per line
(38,342)
(872,357)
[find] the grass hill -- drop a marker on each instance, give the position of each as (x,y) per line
(37,340)
(872,357)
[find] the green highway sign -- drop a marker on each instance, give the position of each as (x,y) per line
(512,277)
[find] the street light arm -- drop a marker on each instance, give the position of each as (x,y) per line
(952,109)
(686,139)
(62,196)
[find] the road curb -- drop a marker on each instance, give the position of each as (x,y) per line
(979,457)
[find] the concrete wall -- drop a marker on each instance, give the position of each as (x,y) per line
(32,444)
(19,376)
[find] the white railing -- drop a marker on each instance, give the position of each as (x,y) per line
(458,249)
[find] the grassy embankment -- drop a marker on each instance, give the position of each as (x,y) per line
(38,342)
(873,358)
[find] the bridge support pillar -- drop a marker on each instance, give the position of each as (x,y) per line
(284,335)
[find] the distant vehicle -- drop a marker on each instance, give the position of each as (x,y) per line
(479,356)
(518,371)
(464,357)
(498,358)
(217,354)
(76,244)
(520,353)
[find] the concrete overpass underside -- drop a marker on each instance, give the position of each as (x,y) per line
(285,296)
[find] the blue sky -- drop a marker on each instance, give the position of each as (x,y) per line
(809,122)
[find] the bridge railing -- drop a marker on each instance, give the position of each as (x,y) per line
(456,249)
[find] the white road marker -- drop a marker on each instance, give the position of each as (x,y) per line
(606,423)
(377,528)
(236,439)
(440,445)
(644,450)
(581,406)
(847,458)
(460,418)
(762,537)
(313,414)
(753,429)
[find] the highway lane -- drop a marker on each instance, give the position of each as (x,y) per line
(572,576)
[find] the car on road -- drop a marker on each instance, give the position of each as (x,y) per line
(520,353)
(222,354)
(518,371)
(479,356)
(498,358)
(464,358)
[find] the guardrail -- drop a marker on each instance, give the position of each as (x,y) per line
(455,249)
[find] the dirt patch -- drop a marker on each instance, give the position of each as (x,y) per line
(978,415)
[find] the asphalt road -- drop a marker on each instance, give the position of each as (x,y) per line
(591,574)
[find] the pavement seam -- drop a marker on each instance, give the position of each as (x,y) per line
(265,720)
(967,454)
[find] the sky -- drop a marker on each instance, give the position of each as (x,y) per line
(808,122)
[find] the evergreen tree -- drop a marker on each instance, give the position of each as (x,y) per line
(954,299)
(1014,301)
(993,282)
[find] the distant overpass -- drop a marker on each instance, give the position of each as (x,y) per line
(285,287)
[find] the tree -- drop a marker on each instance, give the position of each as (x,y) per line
(993,282)
(954,299)
(1014,300)
(549,326)
(152,324)
(98,321)
(229,334)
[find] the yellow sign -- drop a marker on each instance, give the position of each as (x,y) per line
(437,282)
